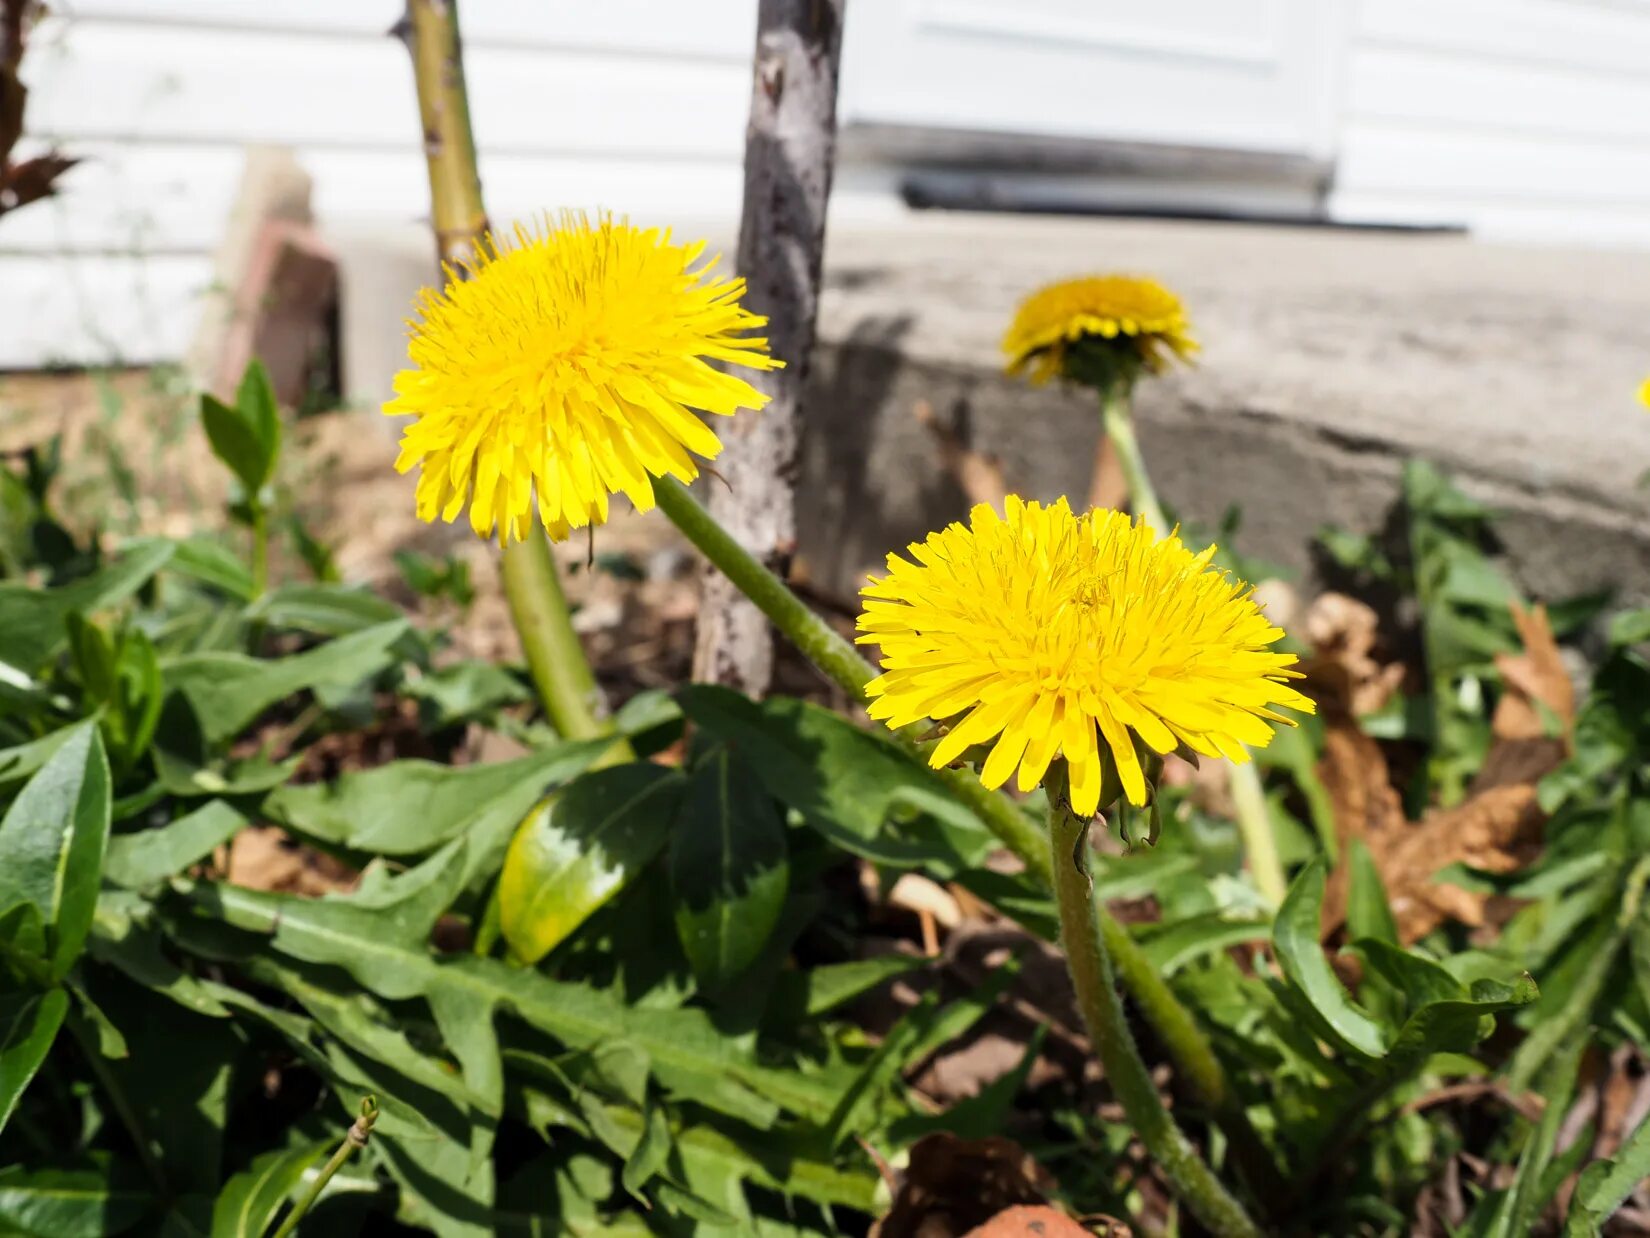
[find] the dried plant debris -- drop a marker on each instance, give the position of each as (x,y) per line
(1497,828)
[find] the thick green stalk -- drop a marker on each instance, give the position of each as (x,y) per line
(835,657)
(1091,975)
(356,1137)
(565,682)
(1248,798)
(561,672)
(842,663)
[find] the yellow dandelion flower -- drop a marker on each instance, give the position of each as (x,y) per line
(1120,317)
(568,367)
(1644,393)
(1055,634)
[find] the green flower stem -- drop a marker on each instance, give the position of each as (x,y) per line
(565,683)
(561,673)
(359,1132)
(260,548)
(835,657)
(1193,1057)
(1248,798)
(1117,421)
(1091,975)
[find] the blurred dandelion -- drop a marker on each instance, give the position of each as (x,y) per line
(1098,330)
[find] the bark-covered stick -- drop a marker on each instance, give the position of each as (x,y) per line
(790,146)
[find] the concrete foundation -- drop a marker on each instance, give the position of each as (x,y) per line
(1329,357)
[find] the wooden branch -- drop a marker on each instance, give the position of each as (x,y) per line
(430,31)
(790,147)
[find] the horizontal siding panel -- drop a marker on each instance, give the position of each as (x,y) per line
(1394,160)
(165,198)
(109,80)
(918,64)
(95,310)
(1449,89)
(721,30)
(1591,37)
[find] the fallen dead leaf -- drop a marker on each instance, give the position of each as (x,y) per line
(1498,828)
(266,858)
(1345,632)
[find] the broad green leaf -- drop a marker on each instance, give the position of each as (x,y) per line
(1295,938)
(207,559)
(578,848)
(28,1026)
(1421,981)
(181,1108)
(17,764)
(729,869)
(706,1151)
(688,1053)
(1457,1025)
(192,777)
(465,690)
(1605,1185)
(412,807)
(800,995)
(101,1199)
(1368,913)
(52,841)
(229,690)
(327,610)
(246,436)
(148,857)
(1171,948)
(123,938)
(33,619)
(249,1201)
(849,784)
(648,1153)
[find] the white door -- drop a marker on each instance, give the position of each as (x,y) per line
(1248,75)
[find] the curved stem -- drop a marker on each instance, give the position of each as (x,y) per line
(1193,1056)
(833,655)
(1091,975)
(1248,798)
(356,1137)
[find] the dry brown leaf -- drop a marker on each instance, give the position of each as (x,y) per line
(1345,631)
(1499,826)
(267,858)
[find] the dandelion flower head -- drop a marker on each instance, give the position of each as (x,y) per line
(1045,633)
(1123,320)
(566,368)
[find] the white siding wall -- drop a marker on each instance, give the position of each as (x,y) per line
(1523,119)
(631,105)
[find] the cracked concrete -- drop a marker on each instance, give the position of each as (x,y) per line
(1329,357)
